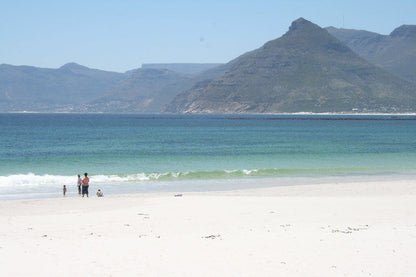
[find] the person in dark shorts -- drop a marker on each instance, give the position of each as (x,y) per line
(85,184)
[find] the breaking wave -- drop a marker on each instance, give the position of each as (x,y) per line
(33,182)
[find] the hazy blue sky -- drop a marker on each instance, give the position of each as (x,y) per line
(121,35)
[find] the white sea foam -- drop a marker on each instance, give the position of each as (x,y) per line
(24,181)
(33,181)
(32,184)
(30,181)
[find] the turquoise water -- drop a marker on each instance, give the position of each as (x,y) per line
(41,152)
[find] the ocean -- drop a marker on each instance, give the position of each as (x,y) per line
(126,153)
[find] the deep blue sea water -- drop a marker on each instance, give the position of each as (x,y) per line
(123,153)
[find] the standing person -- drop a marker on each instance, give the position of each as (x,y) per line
(79,183)
(85,184)
(64,190)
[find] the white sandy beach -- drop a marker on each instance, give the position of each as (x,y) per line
(349,229)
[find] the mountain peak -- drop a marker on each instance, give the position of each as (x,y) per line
(303,34)
(300,20)
(302,24)
(73,66)
(404,31)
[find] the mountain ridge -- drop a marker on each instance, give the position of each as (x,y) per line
(395,52)
(46,89)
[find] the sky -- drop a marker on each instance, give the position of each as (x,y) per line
(122,35)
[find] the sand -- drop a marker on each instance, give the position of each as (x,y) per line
(348,229)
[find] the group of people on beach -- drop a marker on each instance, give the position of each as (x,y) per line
(83,185)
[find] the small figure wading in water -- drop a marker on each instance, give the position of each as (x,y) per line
(85,184)
(64,190)
(79,183)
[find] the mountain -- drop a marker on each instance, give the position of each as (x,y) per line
(395,53)
(306,69)
(143,91)
(76,88)
(44,89)
(150,88)
(185,68)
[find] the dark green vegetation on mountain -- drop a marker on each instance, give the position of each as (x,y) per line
(396,52)
(307,69)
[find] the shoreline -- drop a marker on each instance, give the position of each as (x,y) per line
(286,186)
(206,185)
(230,114)
(330,229)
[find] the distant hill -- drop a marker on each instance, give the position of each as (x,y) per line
(76,88)
(43,89)
(396,52)
(148,90)
(143,91)
(308,70)
(185,68)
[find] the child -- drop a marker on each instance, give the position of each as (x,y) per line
(64,190)
(100,193)
(79,183)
